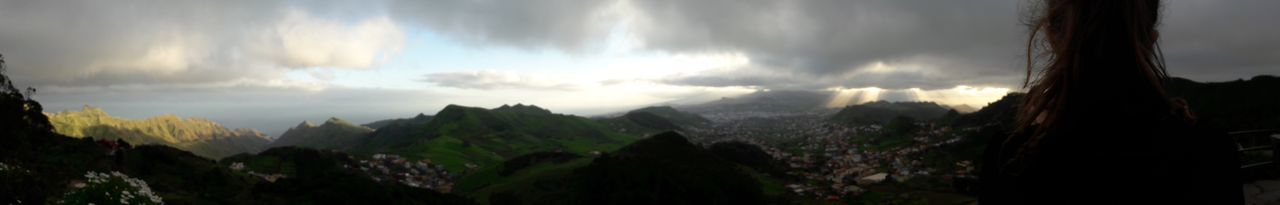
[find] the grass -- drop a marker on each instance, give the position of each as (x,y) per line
(451,153)
(480,185)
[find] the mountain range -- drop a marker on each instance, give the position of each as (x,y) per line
(459,136)
(333,134)
(512,154)
(203,137)
(38,165)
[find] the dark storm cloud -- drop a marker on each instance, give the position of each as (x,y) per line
(806,43)
(790,43)
(1221,40)
(819,39)
(562,24)
(102,43)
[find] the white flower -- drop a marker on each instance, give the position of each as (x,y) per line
(125,187)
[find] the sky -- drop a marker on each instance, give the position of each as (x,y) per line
(272,64)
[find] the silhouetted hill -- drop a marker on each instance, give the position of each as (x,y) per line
(656,119)
(524,109)
(203,137)
(333,134)
(662,169)
(882,112)
(396,133)
(675,116)
(420,118)
(748,155)
(1002,111)
(651,121)
(1236,105)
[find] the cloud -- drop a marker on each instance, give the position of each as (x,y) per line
(1218,41)
(304,41)
(487,80)
(788,43)
(556,24)
(925,44)
(915,72)
(103,43)
(806,40)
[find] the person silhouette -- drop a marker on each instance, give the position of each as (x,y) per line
(1096,126)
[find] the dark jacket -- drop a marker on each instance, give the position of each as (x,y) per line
(1166,162)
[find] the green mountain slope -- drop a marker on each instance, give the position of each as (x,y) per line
(333,134)
(203,137)
(675,116)
(458,136)
(395,134)
(420,118)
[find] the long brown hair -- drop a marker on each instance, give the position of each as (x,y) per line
(1098,57)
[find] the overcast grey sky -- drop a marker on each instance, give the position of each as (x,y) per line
(271,64)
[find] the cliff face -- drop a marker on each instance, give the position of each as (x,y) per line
(202,137)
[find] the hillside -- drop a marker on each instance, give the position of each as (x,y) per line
(203,137)
(1002,111)
(675,116)
(459,136)
(333,134)
(650,120)
(420,118)
(661,169)
(1236,105)
(395,133)
(883,112)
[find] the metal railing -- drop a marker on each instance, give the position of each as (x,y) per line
(1255,141)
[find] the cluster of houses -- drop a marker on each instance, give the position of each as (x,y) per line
(269,177)
(386,167)
(830,159)
(420,173)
